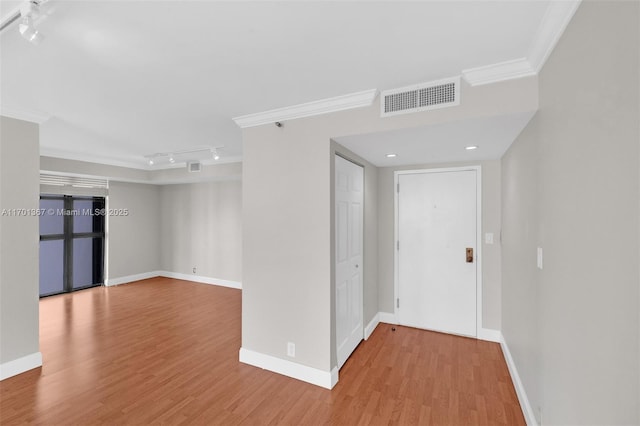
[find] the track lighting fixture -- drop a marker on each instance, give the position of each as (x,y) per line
(25,14)
(183,156)
(29,31)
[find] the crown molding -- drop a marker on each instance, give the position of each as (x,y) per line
(554,22)
(90,158)
(25,114)
(96,159)
(502,71)
(309,109)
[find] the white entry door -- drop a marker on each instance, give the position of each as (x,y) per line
(349,182)
(437,232)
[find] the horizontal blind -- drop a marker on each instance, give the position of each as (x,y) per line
(73,185)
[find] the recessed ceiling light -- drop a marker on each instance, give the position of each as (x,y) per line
(471,148)
(391,155)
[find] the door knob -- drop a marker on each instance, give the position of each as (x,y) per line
(356,265)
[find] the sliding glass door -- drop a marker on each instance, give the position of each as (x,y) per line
(71,243)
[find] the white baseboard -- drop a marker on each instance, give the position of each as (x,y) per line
(490,335)
(334,377)
(130,278)
(20,365)
(371,326)
(176,275)
(527,410)
(387,318)
(201,279)
(325,379)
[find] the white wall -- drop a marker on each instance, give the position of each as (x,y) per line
(491,270)
(570,186)
(201,227)
(19,240)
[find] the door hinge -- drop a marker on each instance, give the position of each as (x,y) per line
(398,188)
(398,245)
(398,302)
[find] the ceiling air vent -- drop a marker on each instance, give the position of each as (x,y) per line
(421,97)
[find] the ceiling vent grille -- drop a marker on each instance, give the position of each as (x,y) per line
(194,166)
(421,97)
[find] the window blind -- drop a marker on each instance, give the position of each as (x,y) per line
(73,185)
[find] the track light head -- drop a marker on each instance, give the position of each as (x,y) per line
(29,31)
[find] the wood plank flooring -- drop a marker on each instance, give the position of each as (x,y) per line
(165,351)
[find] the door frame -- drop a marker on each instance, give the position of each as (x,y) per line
(396,271)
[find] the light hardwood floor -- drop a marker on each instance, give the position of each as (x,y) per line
(164,351)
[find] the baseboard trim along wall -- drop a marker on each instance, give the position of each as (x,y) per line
(387,318)
(20,365)
(527,410)
(490,335)
(371,326)
(201,279)
(325,379)
(131,278)
(175,275)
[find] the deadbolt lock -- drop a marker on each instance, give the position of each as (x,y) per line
(469,255)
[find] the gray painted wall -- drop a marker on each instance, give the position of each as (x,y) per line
(19,189)
(134,240)
(570,186)
(52,164)
(288,284)
(173,227)
(201,226)
(491,269)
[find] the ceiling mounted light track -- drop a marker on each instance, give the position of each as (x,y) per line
(183,156)
(26,14)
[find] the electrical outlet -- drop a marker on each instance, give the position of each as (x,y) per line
(291,349)
(194,269)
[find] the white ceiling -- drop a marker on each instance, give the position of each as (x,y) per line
(121,79)
(440,143)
